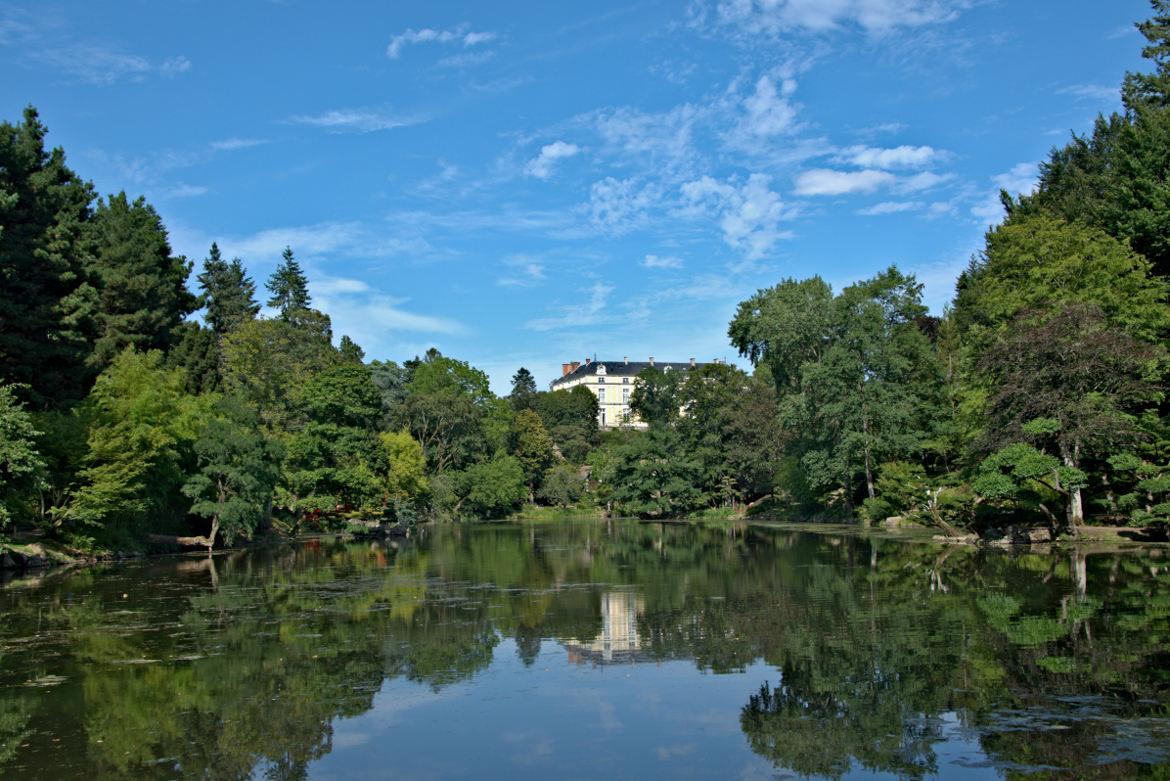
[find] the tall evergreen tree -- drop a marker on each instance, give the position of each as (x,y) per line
(46,303)
(289,286)
(142,286)
(227,291)
(523,394)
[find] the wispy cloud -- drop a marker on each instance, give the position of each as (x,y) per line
(890,158)
(749,215)
(526,272)
(891,207)
(577,315)
(460,36)
(824,181)
(232,144)
(104,65)
(542,165)
(356,120)
(182,191)
(775,17)
(1093,92)
(1022,178)
(618,206)
(653,261)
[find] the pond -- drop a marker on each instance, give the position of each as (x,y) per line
(593,650)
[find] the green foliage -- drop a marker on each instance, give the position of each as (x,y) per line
(142,287)
(523,395)
(1037,261)
(236,471)
(20,462)
(138,450)
(532,447)
(264,361)
(570,417)
(289,287)
(657,396)
(491,489)
(349,350)
(227,292)
(652,476)
(47,304)
(406,466)
(197,354)
(563,486)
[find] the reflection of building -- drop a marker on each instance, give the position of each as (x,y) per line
(612,382)
(619,641)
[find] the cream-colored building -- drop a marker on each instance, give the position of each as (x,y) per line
(612,382)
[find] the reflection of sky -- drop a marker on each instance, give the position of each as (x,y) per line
(557,719)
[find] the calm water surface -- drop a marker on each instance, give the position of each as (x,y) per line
(593,650)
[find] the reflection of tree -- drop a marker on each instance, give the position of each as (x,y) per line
(241,664)
(825,734)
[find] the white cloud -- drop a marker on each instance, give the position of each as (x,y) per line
(897,157)
(577,315)
(649,138)
(923,181)
(529,272)
(749,216)
(366,318)
(773,17)
(823,181)
(541,166)
(331,286)
(355,120)
(232,144)
(891,207)
(1094,92)
(175,65)
(770,110)
(467,59)
(1022,178)
(620,205)
(427,35)
(183,191)
(653,261)
(103,65)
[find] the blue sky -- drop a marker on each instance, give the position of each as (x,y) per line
(530,183)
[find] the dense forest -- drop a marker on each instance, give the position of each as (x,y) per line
(131,406)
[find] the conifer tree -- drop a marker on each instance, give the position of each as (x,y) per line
(289,286)
(227,291)
(142,286)
(46,303)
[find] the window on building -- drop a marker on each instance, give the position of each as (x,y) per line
(625,380)
(600,380)
(601,394)
(625,395)
(601,417)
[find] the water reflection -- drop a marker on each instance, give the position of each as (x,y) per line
(832,654)
(619,641)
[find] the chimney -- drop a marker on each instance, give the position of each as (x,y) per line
(692,361)
(626,360)
(574,366)
(564,369)
(651,360)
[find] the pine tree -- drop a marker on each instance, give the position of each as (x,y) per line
(46,303)
(289,286)
(142,286)
(227,291)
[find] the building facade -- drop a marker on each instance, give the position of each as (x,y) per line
(612,382)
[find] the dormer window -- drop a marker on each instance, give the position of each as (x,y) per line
(601,368)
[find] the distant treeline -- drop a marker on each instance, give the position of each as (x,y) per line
(1038,396)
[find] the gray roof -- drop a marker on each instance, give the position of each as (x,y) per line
(623,369)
